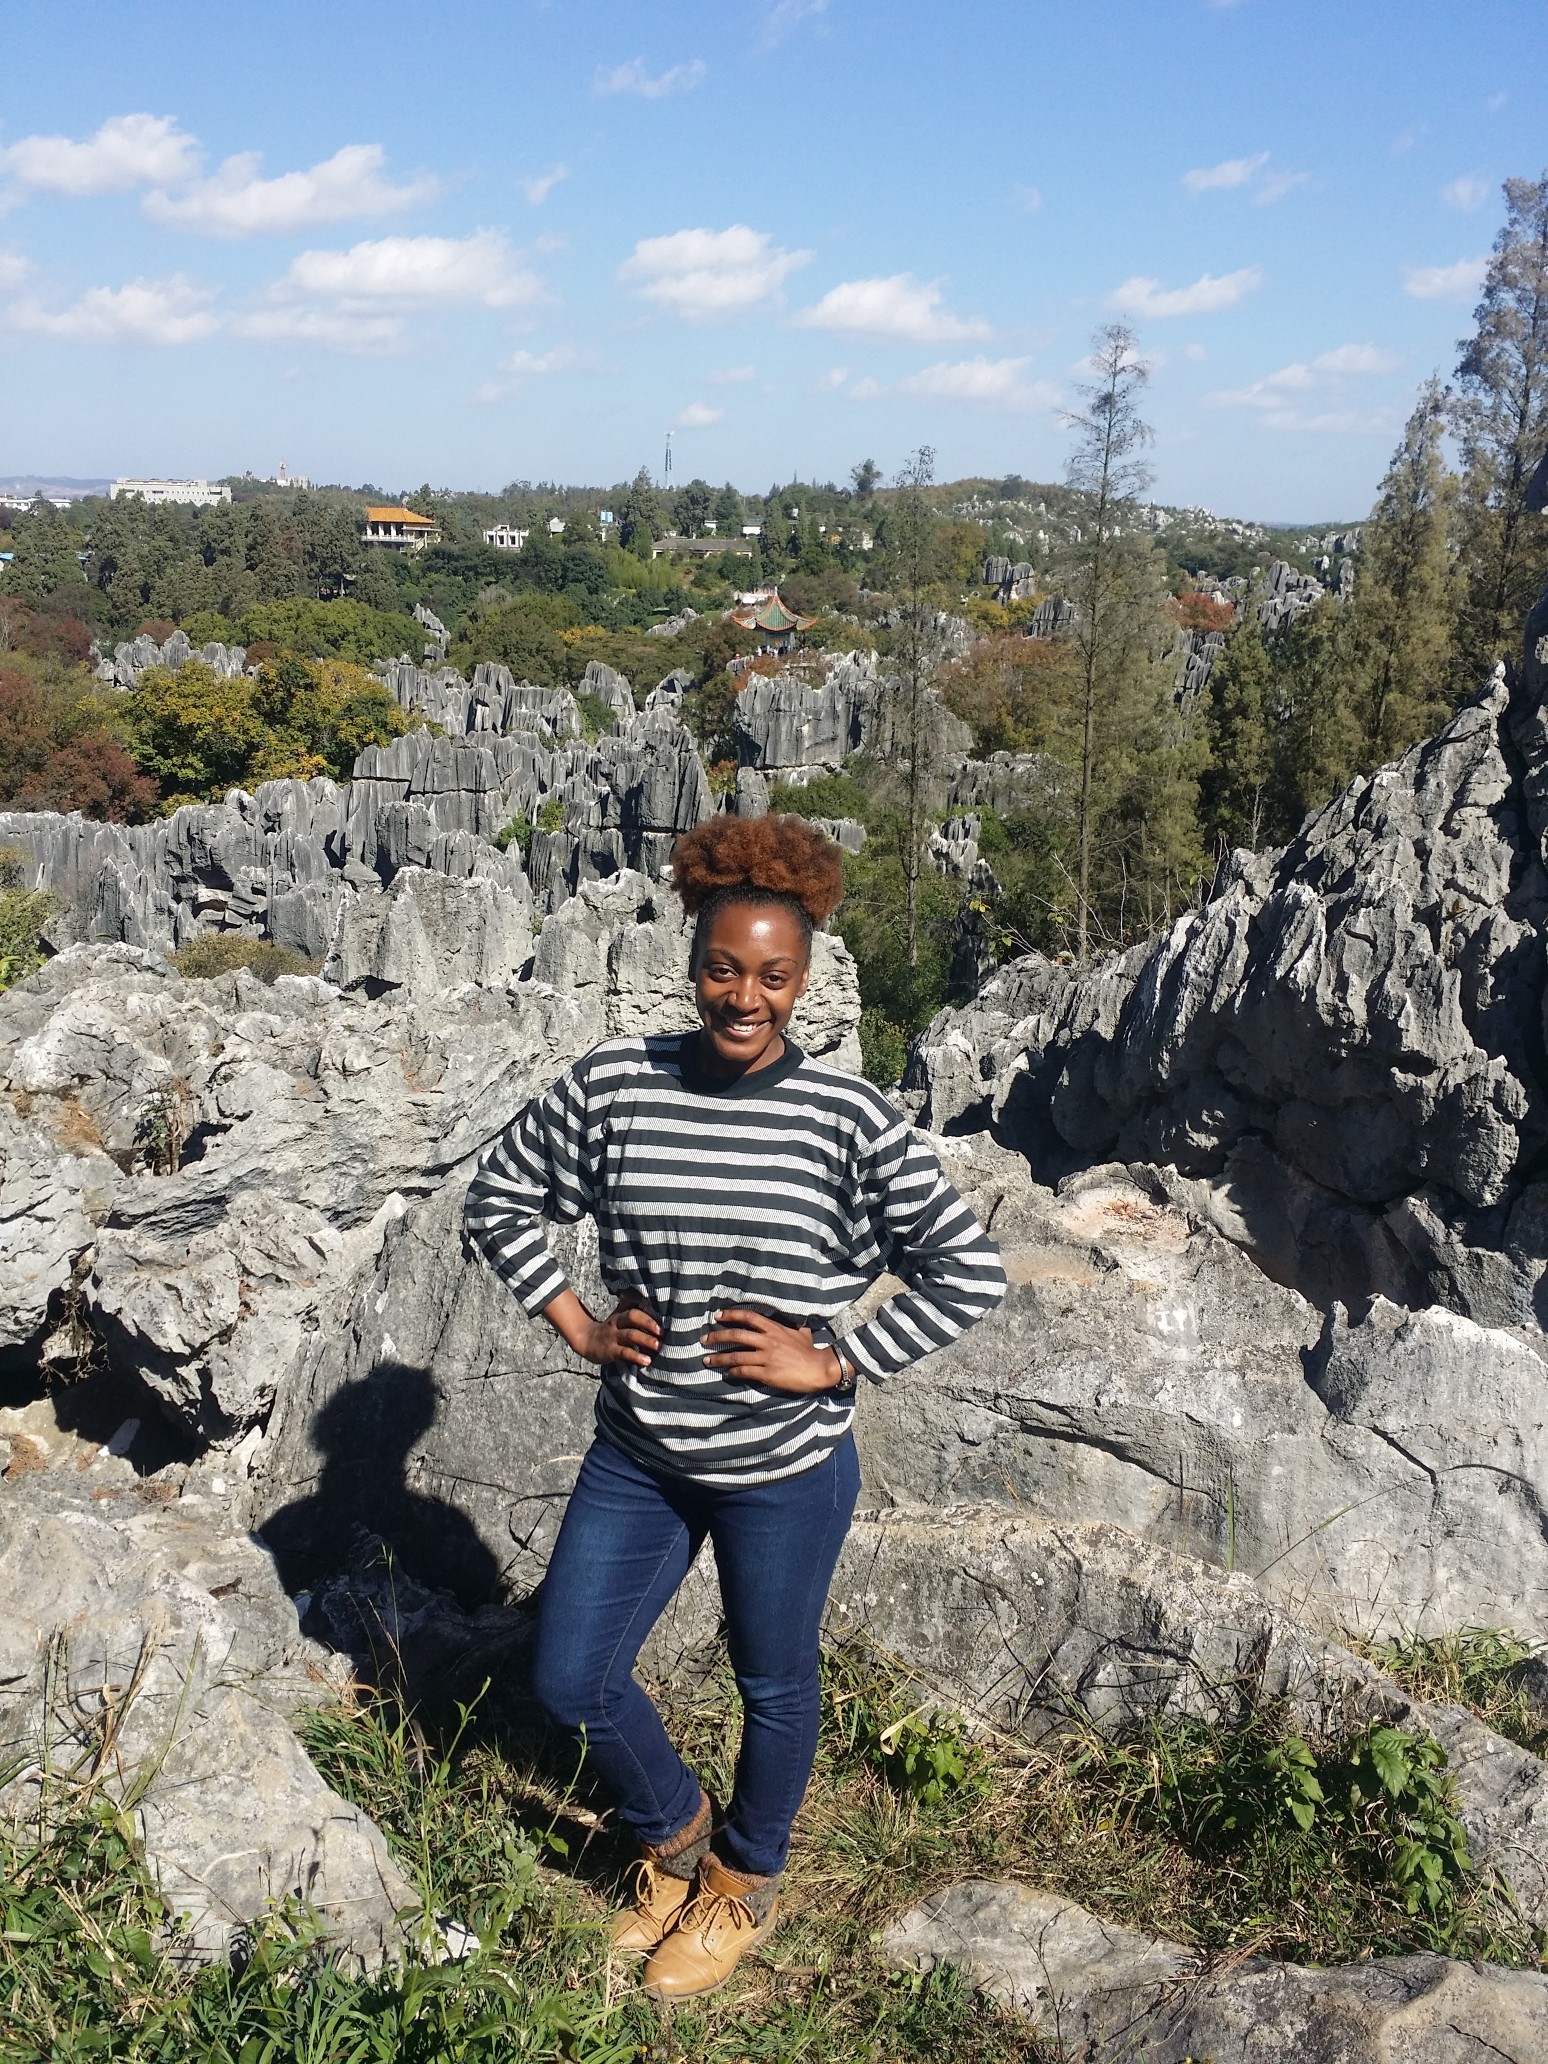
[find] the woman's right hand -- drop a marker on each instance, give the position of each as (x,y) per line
(630,1333)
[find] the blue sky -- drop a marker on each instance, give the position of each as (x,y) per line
(470,243)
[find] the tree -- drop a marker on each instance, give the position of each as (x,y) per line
(867,478)
(1403,616)
(911,537)
(641,520)
(691,507)
(1500,417)
(1318,735)
(59,751)
(46,559)
(728,511)
(1107,469)
(1234,789)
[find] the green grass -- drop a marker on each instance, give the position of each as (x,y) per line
(1232,1840)
(1476,1668)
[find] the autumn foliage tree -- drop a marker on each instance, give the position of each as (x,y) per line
(59,750)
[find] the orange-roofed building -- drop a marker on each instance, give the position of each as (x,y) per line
(405,528)
(775,620)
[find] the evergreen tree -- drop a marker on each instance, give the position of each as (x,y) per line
(1317,743)
(46,555)
(1403,618)
(1501,421)
(728,511)
(1126,724)
(1234,790)
(641,520)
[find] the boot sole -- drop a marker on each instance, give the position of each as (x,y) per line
(670,1999)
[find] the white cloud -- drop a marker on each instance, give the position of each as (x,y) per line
(865,390)
(541,185)
(992,382)
(1147,297)
(351,330)
(1457,282)
(698,415)
(1277,185)
(478,270)
(1495,102)
(785,16)
(1196,352)
(1309,376)
(1233,172)
(702,273)
(523,363)
(166,311)
(732,376)
(126,152)
(632,77)
(833,379)
(1467,193)
(898,306)
(1028,198)
(14,268)
(235,201)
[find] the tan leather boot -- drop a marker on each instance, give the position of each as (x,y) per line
(663,1881)
(730,1913)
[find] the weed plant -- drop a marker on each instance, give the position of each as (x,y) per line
(1236,1841)
(221,953)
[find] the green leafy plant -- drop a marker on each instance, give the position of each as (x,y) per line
(596,716)
(23,914)
(160,1130)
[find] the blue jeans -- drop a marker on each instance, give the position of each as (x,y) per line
(626,1544)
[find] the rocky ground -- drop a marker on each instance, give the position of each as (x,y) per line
(1271,1369)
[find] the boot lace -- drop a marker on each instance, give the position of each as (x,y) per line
(708,1912)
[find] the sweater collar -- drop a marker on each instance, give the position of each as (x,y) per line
(753,1083)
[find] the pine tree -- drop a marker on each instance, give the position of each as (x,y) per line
(1501,421)
(1234,791)
(1403,618)
(1317,734)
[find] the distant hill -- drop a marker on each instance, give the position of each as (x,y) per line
(51,484)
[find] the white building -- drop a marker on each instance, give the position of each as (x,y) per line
(200,494)
(556,526)
(505,537)
(403,528)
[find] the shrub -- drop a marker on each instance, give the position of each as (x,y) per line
(221,953)
(596,717)
(883,1049)
(23,914)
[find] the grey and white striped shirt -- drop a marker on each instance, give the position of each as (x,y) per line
(788,1189)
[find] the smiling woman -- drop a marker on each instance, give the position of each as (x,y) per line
(744,1196)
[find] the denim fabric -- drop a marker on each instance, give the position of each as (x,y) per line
(627,1542)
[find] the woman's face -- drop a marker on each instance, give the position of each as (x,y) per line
(752,968)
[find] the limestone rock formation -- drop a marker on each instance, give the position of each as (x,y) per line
(133,658)
(1096,1988)
(145,1624)
(1340,1051)
(787,724)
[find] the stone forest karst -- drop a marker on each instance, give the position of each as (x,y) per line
(1196,915)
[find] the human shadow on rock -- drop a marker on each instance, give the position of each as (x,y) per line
(365,1435)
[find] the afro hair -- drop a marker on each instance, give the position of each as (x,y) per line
(736,858)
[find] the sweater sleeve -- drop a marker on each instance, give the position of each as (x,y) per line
(539,1167)
(929,1238)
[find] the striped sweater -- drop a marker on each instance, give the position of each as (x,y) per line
(788,1189)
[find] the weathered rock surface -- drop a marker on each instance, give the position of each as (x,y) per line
(1341,1051)
(1098,1989)
(787,723)
(152,1642)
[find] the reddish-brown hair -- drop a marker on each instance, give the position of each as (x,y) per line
(744,858)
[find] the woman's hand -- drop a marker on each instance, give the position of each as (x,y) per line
(631,1332)
(755,1349)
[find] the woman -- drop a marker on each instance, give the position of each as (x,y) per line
(744,1195)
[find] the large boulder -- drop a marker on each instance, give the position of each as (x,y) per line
(150,1641)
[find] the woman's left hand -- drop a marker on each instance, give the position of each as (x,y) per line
(756,1349)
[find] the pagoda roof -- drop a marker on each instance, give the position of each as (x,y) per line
(400,516)
(773,615)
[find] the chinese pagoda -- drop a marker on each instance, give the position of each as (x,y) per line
(774,620)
